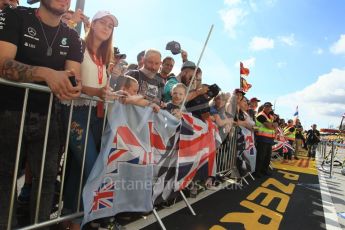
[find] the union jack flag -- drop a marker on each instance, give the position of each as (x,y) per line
(282,145)
(197,149)
(127,147)
(134,139)
(103,197)
(246,151)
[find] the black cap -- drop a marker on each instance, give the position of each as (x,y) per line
(267,104)
(118,54)
(174,47)
(188,64)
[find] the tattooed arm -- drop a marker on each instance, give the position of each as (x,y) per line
(13,70)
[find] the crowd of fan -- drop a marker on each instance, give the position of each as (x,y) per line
(96,68)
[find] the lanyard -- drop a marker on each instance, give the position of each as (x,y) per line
(99,64)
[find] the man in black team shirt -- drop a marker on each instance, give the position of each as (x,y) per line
(35,47)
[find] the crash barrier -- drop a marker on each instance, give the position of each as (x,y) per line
(329,152)
(225,160)
(226,155)
(58,214)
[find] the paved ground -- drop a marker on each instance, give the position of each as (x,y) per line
(335,186)
(314,201)
(300,195)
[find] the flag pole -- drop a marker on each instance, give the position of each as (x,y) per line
(274,104)
(197,66)
(241,65)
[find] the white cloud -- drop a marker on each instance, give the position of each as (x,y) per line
(339,46)
(232,2)
(322,102)
(281,64)
(261,43)
(288,40)
(248,63)
(232,18)
(318,51)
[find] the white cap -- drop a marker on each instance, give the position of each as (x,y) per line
(102,14)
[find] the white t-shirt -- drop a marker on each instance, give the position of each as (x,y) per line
(89,72)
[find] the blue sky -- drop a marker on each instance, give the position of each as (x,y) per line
(295,49)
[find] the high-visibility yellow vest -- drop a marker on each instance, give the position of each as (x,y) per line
(262,130)
(289,135)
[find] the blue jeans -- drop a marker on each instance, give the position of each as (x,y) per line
(32,147)
(76,152)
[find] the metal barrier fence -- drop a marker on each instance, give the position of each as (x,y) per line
(329,158)
(225,158)
(226,154)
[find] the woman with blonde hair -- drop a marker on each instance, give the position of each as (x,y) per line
(97,54)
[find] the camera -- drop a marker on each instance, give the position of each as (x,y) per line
(213,90)
(73,81)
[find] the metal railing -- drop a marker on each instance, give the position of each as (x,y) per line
(225,157)
(329,158)
(34,87)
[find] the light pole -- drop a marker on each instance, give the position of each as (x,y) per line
(79,5)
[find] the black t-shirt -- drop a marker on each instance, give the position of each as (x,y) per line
(199,105)
(313,136)
(262,119)
(299,129)
(22,28)
(150,88)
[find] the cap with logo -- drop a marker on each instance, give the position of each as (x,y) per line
(174,47)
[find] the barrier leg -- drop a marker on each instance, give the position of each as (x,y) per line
(158,219)
(187,203)
(244,179)
(332,161)
(251,176)
(16,165)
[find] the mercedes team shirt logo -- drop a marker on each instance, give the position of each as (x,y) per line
(32,31)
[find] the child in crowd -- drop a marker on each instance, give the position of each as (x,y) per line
(130,85)
(178,93)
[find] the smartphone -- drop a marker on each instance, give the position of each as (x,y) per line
(73,81)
